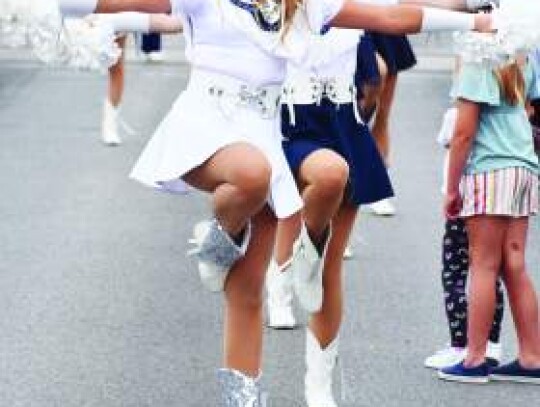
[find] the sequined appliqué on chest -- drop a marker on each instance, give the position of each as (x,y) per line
(266,13)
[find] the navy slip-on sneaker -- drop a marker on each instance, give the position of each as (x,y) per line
(514,372)
(492,362)
(460,373)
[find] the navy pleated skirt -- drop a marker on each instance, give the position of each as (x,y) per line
(396,51)
(367,70)
(325,126)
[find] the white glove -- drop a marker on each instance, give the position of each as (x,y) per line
(126,22)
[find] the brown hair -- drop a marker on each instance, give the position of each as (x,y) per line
(511,83)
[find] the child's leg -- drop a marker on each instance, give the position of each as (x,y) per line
(325,324)
(455,259)
(115,90)
(279,278)
(371,94)
(287,231)
(322,339)
(380,127)
(244,299)
(238,177)
(323,177)
(521,293)
(116,76)
(486,239)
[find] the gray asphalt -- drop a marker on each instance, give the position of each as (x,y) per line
(99,305)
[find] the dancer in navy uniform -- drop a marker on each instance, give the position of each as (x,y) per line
(338,168)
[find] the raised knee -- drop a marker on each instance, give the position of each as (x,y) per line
(253,180)
(332,178)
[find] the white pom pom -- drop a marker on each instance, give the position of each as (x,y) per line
(518,33)
(81,44)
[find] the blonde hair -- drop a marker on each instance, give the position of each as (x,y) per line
(511,82)
(287,16)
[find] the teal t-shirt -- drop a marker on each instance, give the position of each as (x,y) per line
(504,135)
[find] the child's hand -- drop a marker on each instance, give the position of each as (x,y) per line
(452,205)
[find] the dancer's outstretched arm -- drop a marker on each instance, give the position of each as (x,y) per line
(145,6)
(85,7)
(406,19)
(451,4)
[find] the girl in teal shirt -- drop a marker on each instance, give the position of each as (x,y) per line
(493,186)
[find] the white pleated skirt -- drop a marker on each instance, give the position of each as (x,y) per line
(198,125)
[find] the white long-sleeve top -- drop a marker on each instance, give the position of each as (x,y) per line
(225,38)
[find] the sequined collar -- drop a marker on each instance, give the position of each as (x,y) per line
(266,13)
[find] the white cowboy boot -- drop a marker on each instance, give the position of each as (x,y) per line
(279,286)
(216,252)
(320,365)
(238,390)
(307,267)
(109,127)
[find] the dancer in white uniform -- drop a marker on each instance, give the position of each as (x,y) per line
(222,137)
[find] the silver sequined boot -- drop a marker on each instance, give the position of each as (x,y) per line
(239,390)
(216,252)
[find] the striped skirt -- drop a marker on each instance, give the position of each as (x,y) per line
(506,192)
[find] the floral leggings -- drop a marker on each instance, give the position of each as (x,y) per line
(455,260)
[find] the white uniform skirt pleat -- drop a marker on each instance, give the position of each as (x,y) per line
(205,118)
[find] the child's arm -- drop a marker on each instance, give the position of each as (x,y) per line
(460,148)
(406,19)
(82,8)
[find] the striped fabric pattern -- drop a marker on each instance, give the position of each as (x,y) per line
(506,192)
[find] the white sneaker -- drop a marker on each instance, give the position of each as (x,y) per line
(109,127)
(307,267)
(348,253)
(155,56)
(383,208)
(216,253)
(494,351)
(446,357)
(279,286)
(320,366)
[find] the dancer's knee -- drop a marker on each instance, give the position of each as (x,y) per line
(330,177)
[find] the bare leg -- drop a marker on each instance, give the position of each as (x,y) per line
(116,76)
(326,323)
(371,94)
(323,177)
(380,127)
(287,231)
(521,294)
(244,299)
(238,176)
(486,239)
